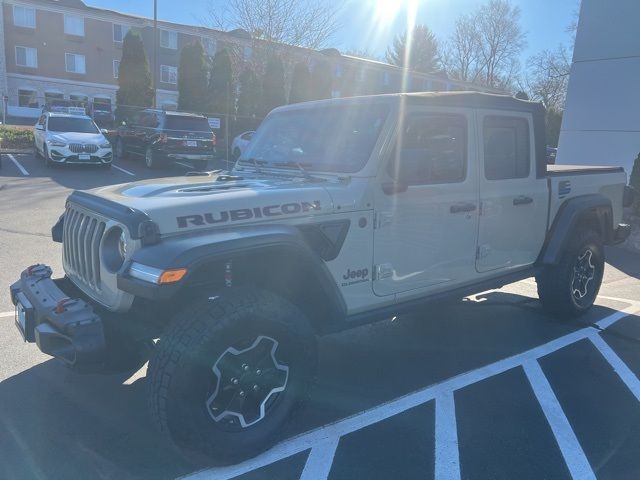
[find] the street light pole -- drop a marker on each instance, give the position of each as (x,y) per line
(155,52)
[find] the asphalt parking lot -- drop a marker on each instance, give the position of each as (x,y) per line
(489,387)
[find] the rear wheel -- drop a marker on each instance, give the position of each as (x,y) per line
(230,372)
(570,288)
(151,159)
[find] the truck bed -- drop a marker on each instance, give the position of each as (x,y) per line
(556,170)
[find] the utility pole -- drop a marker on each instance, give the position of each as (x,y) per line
(156,43)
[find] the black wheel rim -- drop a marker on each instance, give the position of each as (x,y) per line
(247,383)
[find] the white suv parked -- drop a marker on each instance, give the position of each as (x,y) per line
(65,138)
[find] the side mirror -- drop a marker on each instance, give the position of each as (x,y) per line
(104,131)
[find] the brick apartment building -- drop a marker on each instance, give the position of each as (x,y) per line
(67,49)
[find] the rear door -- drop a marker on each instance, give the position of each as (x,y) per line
(513,201)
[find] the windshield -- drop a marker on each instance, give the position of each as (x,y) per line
(188,124)
(70,124)
(334,138)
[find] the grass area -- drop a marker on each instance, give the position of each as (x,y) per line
(16,136)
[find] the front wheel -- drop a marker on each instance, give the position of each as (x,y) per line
(570,288)
(151,158)
(230,372)
(47,161)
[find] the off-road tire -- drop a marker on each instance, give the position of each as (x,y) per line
(180,373)
(555,282)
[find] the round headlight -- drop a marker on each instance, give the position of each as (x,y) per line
(114,249)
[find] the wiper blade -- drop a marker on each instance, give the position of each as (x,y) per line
(300,166)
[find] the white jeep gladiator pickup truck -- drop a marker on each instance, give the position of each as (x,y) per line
(339,212)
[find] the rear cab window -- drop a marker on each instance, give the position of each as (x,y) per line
(507,153)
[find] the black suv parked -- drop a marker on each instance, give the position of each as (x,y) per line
(162,136)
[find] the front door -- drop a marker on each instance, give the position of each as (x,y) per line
(427,205)
(513,217)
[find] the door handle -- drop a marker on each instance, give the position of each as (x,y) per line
(522,200)
(462,207)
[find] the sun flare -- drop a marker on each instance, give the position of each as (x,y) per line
(386,11)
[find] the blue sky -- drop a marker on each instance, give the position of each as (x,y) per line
(544,21)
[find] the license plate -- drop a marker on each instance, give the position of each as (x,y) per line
(191,143)
(84,156)
(21,318)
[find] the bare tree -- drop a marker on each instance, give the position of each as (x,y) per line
(486,44)
(548,76)
(461,53)
(305,23)
(501,40)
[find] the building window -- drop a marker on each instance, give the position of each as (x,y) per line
(169,39)
(27,57)
(75,63)
(74,25)
(248,53)
(24,16)
(50,95)
(168,74)
(116,68)
(119,32)
(27,98)
(209,45)
(79,99)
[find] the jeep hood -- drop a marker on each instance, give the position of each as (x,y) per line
(199,202)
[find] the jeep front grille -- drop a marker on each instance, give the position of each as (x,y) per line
(81,246)
(83,148)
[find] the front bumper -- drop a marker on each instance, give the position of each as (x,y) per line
(190,156)
(62,326)
(65,156)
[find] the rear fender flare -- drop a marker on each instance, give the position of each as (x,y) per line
(596,207)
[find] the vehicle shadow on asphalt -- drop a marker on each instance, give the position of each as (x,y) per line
(624,260)
(57,424)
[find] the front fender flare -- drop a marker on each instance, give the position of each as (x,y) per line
(199,248)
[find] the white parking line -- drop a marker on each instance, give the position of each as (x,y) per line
(570,448)
(376,414)
(19,165)
(447,454)
(626,375)
(185,165)
(320,460)
(123,170)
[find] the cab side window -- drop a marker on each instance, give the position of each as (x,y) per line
(432,150)
(506,148)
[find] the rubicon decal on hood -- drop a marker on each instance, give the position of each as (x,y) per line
(247,214)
